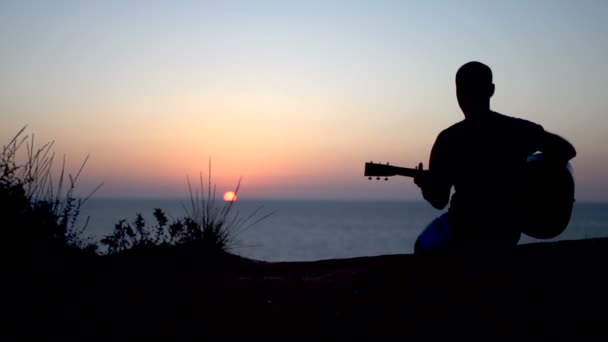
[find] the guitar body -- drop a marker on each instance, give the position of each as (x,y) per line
(548,198)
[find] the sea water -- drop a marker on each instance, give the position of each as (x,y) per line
(303,230)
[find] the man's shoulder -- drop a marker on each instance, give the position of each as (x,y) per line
(453,129)
(517,121)
(464,129)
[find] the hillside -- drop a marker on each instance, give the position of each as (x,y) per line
(548,289)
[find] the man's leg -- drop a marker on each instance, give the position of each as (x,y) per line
(438,237)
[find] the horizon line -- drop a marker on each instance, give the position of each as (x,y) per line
(219,199)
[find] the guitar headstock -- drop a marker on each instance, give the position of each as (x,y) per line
(379,170)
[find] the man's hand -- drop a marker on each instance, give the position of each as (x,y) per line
(421,178)
(556,149)
(437,194)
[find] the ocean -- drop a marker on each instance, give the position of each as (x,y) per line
(306,230)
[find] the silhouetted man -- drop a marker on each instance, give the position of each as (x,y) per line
(482,156)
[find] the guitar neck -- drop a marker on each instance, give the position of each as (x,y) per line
(385,170)
(404,171)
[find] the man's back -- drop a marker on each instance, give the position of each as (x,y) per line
(483,158)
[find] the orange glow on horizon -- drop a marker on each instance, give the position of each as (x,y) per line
(230,196)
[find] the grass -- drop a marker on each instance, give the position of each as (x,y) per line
(37,209)
(220,225)
(205,226)
(40,212)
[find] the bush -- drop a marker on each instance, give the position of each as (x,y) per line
(36,214)
(39,214)
(210,229)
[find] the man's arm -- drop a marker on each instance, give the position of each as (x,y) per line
(437,193)
(434,183)
(556,148)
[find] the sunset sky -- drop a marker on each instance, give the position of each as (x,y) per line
(293,96)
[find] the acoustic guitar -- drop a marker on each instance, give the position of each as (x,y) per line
(547,194)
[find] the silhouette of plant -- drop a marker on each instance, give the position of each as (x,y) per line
(126,236)
(161,219)
(37,213)
(216,228)
(204,226)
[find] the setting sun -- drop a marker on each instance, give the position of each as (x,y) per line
(230,196)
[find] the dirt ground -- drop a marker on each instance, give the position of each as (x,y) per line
(550,289)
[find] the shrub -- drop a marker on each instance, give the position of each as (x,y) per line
(205,226)
(36,214)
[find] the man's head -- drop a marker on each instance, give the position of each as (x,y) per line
(474,88)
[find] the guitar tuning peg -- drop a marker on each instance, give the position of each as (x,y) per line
(385,178)
(370,177)
(377,178)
